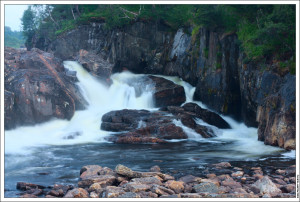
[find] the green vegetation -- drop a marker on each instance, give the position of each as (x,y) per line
(13,39)
(265,32)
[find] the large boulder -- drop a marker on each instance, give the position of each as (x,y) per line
(37,88)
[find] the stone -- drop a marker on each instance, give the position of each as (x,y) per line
(170,196)
(176,186)
(190,195)
(125,171)
(147,180)
(288,188)
(231,183)
(136,187)
(222,165)
(155,169)
(237,174)
(27,186)
(77,193)
(94,195)
(129,195)
(160,190)
(190,179)
(103,180)
(28,196)
(206,187)
(266,186)
(112,192)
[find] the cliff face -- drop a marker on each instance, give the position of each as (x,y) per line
(261,97)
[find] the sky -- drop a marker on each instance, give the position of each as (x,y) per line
(13,15)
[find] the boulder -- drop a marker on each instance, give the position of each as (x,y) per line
(167,93)
(206,187)
(37,88)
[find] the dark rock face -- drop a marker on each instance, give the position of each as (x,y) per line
(142,126)
(37,89)
(218,83)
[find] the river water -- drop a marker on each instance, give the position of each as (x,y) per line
(54,152)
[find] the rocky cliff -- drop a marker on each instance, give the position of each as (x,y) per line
(261,96)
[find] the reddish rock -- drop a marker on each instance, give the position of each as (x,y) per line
(222,165)
(77,193)
(28,186)
(231,183)
(28,196)
(176,186)
(288,188)
(155,169)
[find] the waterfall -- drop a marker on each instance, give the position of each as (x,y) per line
(84,127)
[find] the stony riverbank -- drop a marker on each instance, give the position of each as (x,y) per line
(220,180)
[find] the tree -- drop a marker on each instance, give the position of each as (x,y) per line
(29,25)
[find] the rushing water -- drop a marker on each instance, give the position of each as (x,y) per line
(54,152)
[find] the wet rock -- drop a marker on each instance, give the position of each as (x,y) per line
(39,87)
(206,187)
(167,93)
(222,165)
(266,186)
(28,186)
(206,115)
(28,196)
(103,180)
(77,193)
(176,186)
(95,64)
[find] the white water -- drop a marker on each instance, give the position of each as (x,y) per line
(85,125)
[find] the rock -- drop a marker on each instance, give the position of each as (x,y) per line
(176,186)
(231,183)
(136,187)
(95,63)
(160,190)
(206,187)
(28,186)
(28,196)
(148,194)
(222,165)
(190,179)
(94,195)
(206,115)
(167,93)
(237,174)
(155,169)
(123,170)
(266,186)
(77,193)
(147,180)
(288,188)
(103,180)
(112,192)
(190,195)
(129,195)
(170,196)
(37,88)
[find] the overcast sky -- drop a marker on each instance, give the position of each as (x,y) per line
(13,15)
